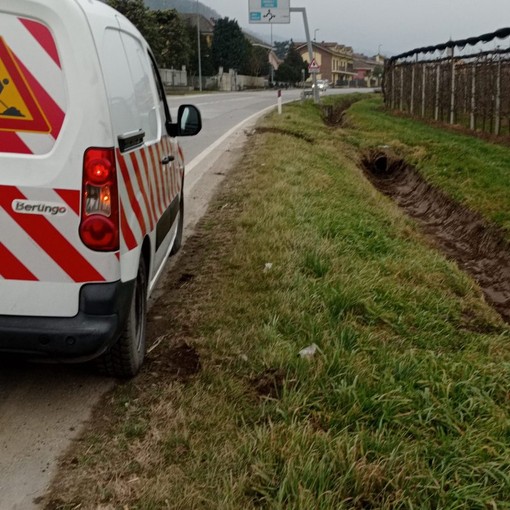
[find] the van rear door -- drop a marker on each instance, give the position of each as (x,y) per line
(52,104)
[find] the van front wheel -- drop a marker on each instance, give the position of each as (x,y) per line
(125,357)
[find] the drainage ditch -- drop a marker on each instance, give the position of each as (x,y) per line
(478,247)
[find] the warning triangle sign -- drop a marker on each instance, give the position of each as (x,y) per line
(313,65)
(19,108)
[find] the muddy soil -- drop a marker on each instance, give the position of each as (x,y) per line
(478,247)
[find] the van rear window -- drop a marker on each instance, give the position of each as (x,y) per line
(32,87)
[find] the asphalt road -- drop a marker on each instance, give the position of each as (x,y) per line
(44,407)
(223,112)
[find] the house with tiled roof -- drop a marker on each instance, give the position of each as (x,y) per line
(271,55)
(206,25)
(368,70)
(336,61)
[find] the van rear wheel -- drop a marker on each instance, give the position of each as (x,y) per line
(125,357)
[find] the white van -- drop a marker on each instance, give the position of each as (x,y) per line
(91,182)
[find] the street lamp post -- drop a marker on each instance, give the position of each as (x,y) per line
(315,34)
(199,51)
(271,68)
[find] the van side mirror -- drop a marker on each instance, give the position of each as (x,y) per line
(189,122)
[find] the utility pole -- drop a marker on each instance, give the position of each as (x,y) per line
(199,51)
(316,96)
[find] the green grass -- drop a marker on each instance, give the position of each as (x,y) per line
(471,170)
(406,404)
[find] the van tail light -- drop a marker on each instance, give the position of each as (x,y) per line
(99,226)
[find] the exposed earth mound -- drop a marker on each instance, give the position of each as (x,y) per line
(478,247)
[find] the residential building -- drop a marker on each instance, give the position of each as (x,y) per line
(335,60)
(274,61)
(368,70)
(206,25)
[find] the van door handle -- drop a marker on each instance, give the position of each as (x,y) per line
(167,159)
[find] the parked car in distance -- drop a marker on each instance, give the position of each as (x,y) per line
(322,85)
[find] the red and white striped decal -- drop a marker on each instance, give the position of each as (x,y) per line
(45,247)
(147,189)
(30,45)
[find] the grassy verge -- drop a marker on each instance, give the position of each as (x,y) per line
(404,405)
(470,169)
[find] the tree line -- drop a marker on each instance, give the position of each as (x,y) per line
(174,43)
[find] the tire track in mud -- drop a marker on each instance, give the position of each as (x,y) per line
(463,235)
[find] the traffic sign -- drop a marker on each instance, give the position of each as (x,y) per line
(313,67)
(269,11)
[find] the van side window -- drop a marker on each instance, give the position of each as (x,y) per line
(156,81)
(164,111)
(141,75)
(121,93)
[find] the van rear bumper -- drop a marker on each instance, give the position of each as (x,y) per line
(98,324)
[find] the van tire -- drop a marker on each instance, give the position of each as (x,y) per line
(125,357)
(180,227)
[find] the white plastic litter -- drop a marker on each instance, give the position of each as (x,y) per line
(309,352)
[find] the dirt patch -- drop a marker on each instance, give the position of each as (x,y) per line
(269,383)
(478,247)
(180,361)
(185,278)
(173,358)
(334,115)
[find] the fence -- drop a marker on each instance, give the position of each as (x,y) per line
(459,82)
(174,77)
(228,81)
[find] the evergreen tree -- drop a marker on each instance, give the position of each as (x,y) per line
(291,70)
(208,68)
(174,45)
(259,62)
(230,48)
(281,48)
(165,31)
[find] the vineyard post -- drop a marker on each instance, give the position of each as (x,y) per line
(438,82)
(497,106)
(423,85)
(393,86)
(413,76)
(452,96)
(401,88)
(472,123)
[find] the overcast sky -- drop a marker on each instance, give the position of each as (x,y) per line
(396,25)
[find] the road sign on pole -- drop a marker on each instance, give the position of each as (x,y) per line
(313,67)
(269,11)
(302,10)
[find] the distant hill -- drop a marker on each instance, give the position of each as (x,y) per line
(184,6)
(190,6)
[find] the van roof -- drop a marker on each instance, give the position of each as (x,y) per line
(97,7)
(91,8)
